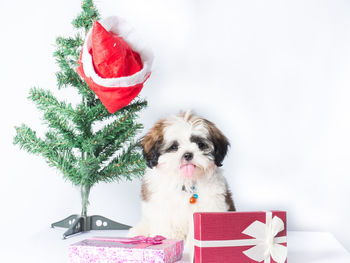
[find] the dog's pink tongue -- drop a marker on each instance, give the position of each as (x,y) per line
(187,170)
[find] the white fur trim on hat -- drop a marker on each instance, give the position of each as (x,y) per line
(121,28)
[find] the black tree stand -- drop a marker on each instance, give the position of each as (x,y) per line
(82,223)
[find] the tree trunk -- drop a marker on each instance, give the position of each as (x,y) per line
(85,191)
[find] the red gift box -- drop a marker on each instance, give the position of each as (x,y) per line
(243,237)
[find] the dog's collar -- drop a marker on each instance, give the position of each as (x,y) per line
(192,188)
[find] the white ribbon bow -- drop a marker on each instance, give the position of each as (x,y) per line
(267,244)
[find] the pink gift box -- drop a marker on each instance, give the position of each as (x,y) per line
(117,250)
(243,237)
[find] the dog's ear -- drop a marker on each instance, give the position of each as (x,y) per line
(220,142)
(152,143)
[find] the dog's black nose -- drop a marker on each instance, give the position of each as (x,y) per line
(188,156)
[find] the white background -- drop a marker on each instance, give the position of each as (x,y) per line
(273,75)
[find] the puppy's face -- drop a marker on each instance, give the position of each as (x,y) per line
(185,145)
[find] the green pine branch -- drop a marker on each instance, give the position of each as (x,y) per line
(88,15)
(45,101)
(118,128)
(67,55)
(69,47)
(57,142)
(124,136)
(61,124)
(100,113)
(65,161)
(58,115)
(88,168)
(96,112)
(127,165)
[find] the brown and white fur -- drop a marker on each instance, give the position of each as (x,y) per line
(170,144)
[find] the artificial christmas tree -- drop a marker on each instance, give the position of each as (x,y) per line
(85,156)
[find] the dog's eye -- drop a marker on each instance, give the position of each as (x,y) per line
(173,147)
(202,145)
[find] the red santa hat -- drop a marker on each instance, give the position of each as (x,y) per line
(113,63)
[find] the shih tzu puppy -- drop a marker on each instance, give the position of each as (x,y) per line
(183,155)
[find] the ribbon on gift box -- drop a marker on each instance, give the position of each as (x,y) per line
(140,241)
(265,243)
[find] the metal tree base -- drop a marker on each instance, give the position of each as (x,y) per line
(78,224)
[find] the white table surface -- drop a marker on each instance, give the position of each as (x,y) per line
(48,247)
